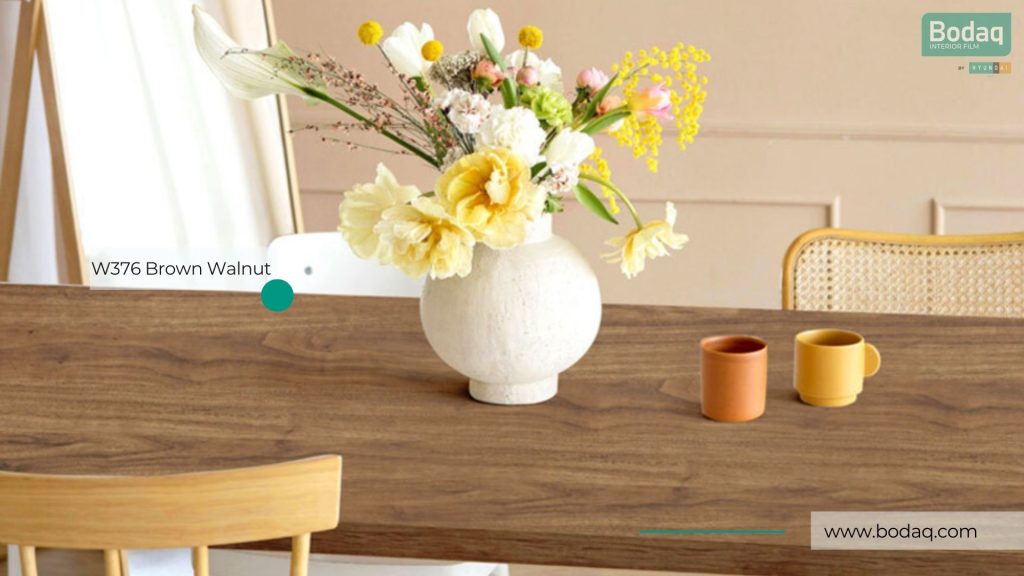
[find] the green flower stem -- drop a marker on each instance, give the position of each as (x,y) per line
(619,193)
(314,93)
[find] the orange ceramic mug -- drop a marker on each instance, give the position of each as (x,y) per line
(734,377)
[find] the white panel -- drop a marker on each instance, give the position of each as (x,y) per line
(734,257)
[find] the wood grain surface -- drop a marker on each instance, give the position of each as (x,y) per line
(154,382)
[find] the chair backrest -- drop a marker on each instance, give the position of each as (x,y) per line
(323,263)
(852,271)
(114,513)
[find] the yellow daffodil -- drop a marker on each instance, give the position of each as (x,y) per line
(490,193)
(370,32)
(432,51)
(531,37)
(363,207)
(650,241)
(422,238)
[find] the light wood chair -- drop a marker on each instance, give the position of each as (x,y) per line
(831,269)
(115,513)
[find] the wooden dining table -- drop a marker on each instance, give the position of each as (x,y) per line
(148,382)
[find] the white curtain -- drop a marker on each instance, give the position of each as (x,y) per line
(164,164)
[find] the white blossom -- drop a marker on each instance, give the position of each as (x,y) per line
(404,49)
(485,21)
(569,147)
(550,73)
(562,179)
(516,129)
(244,72)
(466,110)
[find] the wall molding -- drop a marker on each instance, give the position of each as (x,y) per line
(845,131)
(831,206)
(941,208)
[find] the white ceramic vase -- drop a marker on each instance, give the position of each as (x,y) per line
(522,316)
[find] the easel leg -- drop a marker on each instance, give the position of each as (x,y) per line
(14,140)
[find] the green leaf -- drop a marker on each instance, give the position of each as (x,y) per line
(598,97)
(508,87)
(508,93)
(553,204)
(537,169)
(593,203)
(602,122)
(492,52)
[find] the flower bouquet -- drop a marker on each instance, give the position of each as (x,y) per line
(506,302)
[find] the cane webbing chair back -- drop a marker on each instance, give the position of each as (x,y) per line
(832,269)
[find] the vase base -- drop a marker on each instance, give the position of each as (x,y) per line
(514,394)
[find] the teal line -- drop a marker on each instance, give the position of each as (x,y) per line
(710,531)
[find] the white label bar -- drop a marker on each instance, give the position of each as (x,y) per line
(917,530)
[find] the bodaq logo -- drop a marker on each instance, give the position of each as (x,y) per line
(965,34)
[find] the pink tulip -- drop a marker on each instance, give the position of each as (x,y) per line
(592,79)
(653,101)
(610,102)
(488,73)
(528,76)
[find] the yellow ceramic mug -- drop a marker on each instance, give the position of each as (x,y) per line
(830,366)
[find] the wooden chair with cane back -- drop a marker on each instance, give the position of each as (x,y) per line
(197,510)
(831,269)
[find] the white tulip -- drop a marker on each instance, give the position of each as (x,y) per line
(569,148)
(246,73)
(404,49)
(485,21)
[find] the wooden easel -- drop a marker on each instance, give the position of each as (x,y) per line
(33,41)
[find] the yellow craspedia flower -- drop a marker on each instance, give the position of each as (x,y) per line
(648,242)
(370,32)
(432,50)
(422,238)
(531,37)
(489,192)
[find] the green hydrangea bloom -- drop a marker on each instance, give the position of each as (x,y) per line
(551,107)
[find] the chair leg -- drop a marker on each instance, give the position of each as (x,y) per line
(201,561)
(28,560)
(300,555)
(112,562)
(122,556)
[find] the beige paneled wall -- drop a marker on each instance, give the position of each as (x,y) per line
(819,113)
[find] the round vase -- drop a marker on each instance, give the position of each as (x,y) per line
(522,316)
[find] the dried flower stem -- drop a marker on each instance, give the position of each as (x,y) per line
(322,96)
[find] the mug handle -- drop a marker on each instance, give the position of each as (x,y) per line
(872,360)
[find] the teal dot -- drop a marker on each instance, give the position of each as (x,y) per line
(277,295)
